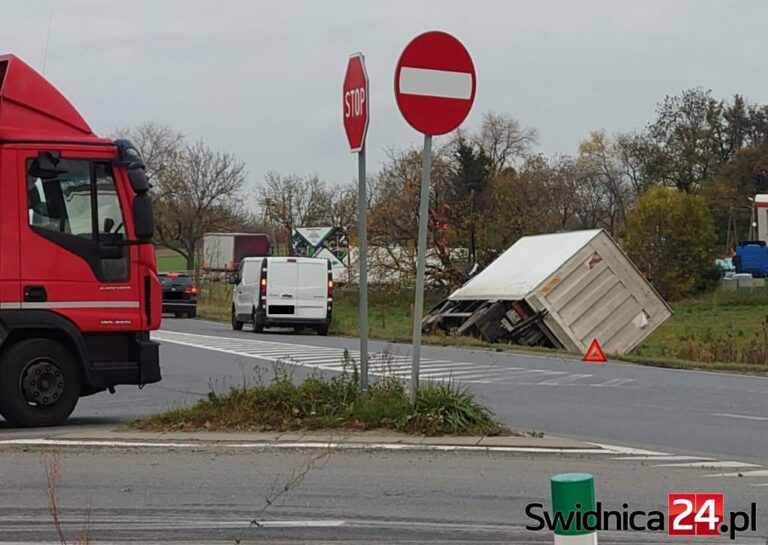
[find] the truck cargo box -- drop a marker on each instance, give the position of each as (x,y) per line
(561,290)
(224,251)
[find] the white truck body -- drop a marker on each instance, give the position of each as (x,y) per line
(587,285)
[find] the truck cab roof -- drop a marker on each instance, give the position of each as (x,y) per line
(33,110)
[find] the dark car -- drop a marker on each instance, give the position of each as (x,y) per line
(179,295)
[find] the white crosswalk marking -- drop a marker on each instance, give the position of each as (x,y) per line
(383,363)
(681,461)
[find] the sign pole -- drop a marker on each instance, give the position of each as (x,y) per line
(355,110)
(362,215)
(421,259)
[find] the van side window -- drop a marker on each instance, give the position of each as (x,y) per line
(251,273)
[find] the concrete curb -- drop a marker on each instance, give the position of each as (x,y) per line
(102,438)
(364,438)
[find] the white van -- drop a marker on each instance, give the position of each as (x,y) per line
(283,292)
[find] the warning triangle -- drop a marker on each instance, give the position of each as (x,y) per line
(595,353)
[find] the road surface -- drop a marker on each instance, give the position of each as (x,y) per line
(694,413)
(208,495)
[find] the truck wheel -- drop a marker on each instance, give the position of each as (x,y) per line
(237,325)
(40,383)
(322,330)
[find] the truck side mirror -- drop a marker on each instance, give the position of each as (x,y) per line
(138,179)
(234,279)
(143,220)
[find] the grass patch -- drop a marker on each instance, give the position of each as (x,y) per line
(214,301)
(169,261)
(723,330)
(320,403)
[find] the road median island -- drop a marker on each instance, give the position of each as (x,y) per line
(332,403)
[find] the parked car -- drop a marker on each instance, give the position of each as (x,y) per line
(292,292)
(179,294)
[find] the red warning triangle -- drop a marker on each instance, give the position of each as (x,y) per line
(595,353)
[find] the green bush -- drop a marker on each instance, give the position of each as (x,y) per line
(670,236)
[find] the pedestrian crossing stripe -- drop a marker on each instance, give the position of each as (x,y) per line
(386,363)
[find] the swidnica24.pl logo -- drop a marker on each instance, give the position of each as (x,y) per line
(687,515)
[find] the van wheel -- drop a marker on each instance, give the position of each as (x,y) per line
(322,330)
(258,327)
(237,325)
(40,383)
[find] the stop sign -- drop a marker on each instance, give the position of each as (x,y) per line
(435,83)
(355,102)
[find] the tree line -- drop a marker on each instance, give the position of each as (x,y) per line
(674,193)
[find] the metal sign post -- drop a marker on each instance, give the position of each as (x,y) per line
(355,116)
(435,84)
(362,220)
(421,264)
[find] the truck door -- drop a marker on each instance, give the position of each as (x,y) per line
(312,289)
(282,280)
(247,291)
(71,228)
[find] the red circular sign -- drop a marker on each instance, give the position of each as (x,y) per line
(435,83)
(354,102)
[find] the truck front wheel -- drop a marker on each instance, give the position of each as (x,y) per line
(40,383)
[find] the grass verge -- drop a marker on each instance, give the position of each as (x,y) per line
(320,403)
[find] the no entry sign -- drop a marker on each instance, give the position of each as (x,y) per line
(355,102)
(435,83)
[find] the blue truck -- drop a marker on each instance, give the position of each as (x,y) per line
(752,258)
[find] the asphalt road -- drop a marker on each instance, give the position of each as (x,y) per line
(209,495)
(705,414)
(689,412)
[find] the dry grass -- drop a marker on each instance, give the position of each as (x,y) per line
(52,465)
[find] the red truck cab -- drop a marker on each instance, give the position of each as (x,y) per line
(79,291)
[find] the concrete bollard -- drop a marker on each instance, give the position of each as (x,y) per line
(573,493)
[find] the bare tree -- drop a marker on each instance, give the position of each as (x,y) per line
(195,188)
(290,201)
(604,182)
(160,146)
(504,141)
(200,192)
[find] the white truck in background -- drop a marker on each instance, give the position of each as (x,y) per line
(222,252)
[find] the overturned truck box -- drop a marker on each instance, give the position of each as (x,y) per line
(558,290)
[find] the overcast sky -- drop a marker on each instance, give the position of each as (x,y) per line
(263,79)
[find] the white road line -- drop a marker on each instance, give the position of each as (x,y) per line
(672,458)
(613,383)
(742,416)
(715,464)
(563,380)
(757,473)
(294,445)
(381,363)
(630,451)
